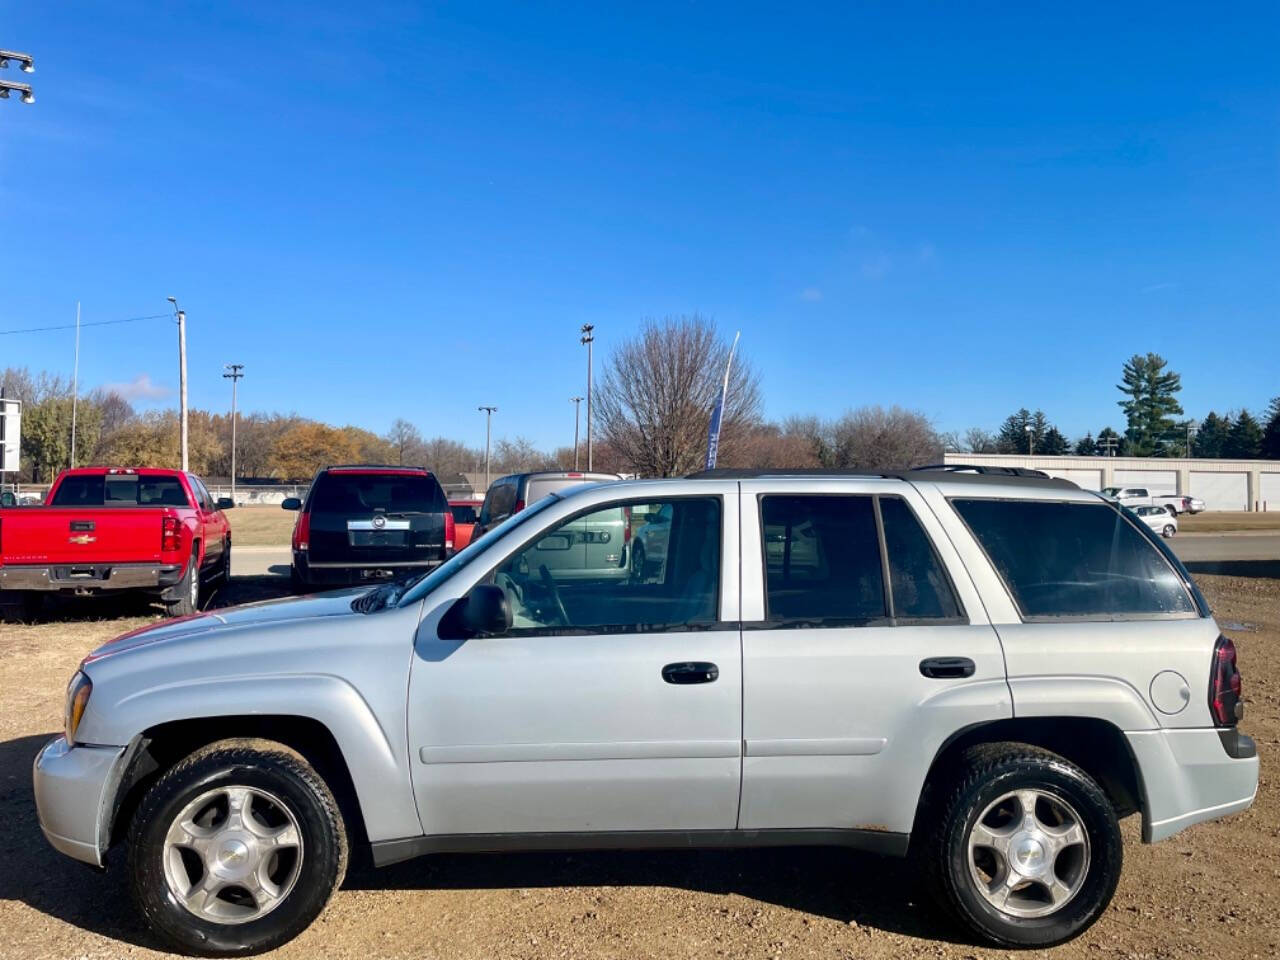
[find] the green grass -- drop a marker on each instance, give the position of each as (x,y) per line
(261,526)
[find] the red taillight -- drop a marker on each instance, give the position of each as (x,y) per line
(302,532)
(626,525)
(1224,685)
(518,507)
(449,530)
(170,535)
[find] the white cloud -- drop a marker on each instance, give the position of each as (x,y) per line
(812,294)
(140,387)
(876,267)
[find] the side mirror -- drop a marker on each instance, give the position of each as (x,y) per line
(485,610)
(225,503)
(291,503)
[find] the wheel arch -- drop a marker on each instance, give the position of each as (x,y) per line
(159,747)
(1095,745)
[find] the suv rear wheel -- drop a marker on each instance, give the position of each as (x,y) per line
(236,849)
(1023,846)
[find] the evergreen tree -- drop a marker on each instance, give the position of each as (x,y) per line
(1054,443)
(1152,400)
(1012,437)
(1244,442)
(1086,446)
(1271,432)
(1121,448)
(1212,435)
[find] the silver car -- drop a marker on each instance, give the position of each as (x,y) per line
(1158,519)
(986,672)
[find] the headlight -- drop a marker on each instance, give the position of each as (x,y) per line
(78,691)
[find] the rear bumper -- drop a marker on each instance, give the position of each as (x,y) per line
(90,577)
(75,791)
(1188,777)
(348,574)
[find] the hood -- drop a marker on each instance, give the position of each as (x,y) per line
(334,604)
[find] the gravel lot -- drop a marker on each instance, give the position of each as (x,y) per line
(1209,892)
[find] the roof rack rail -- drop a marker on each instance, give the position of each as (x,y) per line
(983,468)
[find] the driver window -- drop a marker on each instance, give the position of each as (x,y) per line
(626,568)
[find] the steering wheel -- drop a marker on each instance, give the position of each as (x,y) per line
(550,583)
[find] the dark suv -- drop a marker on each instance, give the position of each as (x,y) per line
(368,523)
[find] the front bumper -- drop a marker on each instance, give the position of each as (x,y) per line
(1188,777)
(75,791)
(90,578)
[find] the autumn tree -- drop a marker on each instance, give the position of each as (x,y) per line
(654,401)
(305,448)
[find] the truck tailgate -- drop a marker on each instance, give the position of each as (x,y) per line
(66,535)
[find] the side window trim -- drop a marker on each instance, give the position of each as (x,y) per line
(890,619)
(1200,611)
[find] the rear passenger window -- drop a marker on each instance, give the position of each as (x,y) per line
(921,590)
(1077,560)
(822,560)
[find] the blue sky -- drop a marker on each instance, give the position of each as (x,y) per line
(403,209)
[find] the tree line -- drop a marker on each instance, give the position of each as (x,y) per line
(653,405)
(1154,425)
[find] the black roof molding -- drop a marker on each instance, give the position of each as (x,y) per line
(951,473)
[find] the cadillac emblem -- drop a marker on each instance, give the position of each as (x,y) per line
(379,522)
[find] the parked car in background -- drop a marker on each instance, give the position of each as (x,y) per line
(984,671)
(1142,497)
(366,523)
(1158,519)
(110,529)
(465,513)
(511,494)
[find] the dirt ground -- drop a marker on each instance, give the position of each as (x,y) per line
(1210,892)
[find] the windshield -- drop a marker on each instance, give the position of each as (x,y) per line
(417,589)
(1110,491)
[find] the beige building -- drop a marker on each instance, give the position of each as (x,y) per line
(1221,484)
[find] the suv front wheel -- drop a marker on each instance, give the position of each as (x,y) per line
(236,849)
(1023,846)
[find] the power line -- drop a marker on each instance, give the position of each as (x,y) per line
(95,323)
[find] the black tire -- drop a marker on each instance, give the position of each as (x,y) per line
(260,765)
(637,560)
(297,583)
(981,776)
(224,563)
(183,599)
(1169,531)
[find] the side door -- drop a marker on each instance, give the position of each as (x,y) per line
(211,527)
(612,704)
(865,646)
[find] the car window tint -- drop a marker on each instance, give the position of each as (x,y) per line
(499,502)
(1074,560)
(822,559)
(351,494)
(82,491)
(580,576)
(463,513)
(919,586)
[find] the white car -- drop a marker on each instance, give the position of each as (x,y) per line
(1158,519)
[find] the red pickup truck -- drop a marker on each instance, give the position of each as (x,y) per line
(106,529)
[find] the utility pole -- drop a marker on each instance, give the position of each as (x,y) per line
(75,388)
(1191,429)
(588,337)
(488,418)
(234,373)
(182,380)
(577,402)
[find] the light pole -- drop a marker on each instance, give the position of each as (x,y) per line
(577,402)
(182,380)
(234,373)
(1030,439)
(488,418)
(588,337)
(27,65)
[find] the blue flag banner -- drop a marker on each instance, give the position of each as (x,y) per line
(713,433)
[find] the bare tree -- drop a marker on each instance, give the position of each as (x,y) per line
(405,441)
(977,440)
(655,399)
(876,438)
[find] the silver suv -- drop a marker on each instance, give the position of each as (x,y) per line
(983,672)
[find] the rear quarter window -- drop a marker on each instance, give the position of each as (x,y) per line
(1075,560)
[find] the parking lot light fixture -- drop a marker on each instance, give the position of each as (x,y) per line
(577,403)
(588,337)
(181,317)
(1031,439)
(23,60)
(488,419)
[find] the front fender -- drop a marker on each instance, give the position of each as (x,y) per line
(378,769)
